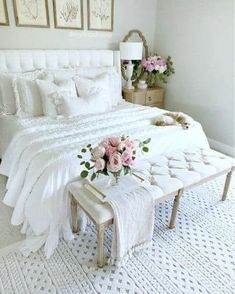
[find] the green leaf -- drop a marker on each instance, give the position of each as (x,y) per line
(145,149)
(87,165)
(84,174)
(83,150)
(79,156)
(147,141)
(83,162)
(88,146)
(93,176)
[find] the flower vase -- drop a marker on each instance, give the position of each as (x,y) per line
(114,180)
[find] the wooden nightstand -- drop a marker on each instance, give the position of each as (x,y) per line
(153,97)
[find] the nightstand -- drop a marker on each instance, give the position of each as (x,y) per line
(153,97)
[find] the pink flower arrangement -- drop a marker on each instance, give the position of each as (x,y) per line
(154,63)
(112,155)
(157,68)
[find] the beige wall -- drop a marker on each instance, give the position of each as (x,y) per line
(129,14)
(199,35)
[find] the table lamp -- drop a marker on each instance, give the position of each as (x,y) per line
(130,51)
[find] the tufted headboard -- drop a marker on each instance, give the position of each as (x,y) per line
(14,61)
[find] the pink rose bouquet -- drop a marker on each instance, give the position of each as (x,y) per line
(157,68)
(113,155)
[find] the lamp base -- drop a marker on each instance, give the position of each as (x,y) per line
(129,72)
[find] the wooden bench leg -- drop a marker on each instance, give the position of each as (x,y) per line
(175,209)
(226,185)
(74,207)
(100,244)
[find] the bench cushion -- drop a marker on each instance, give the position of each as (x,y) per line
(181,169)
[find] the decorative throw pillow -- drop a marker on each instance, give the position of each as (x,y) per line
(50,93)
(74,106)
(114,83)
(87,87)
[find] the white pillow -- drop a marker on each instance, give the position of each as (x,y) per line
(7,96)
(115,87)
(50,91)
(74,106)
(87,87)
(28,98)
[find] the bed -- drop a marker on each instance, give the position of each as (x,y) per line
(39,154)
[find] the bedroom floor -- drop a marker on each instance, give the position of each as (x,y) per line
(196,257)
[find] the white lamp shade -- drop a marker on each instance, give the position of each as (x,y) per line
(131,50)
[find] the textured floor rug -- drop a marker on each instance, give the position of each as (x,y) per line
(196,257)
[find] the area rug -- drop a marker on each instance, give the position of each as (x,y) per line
(196,257)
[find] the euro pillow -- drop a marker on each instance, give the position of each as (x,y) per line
(7,96)
(27,95)
(50,93)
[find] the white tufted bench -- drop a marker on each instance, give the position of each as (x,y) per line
(172,173)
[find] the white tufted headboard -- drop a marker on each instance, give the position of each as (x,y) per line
(14,61)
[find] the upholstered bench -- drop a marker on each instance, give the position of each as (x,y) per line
(172,173)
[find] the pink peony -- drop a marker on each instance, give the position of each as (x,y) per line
(114,141)
(110,150)
(98,152)
(104,143)
(127,158)
(100,164)
(115,163)
(130,144)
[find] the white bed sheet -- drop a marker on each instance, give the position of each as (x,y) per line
(41,160)
(9,126)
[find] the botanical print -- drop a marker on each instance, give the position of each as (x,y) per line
(31,12)
(3,13)
(100,15)
(68,14)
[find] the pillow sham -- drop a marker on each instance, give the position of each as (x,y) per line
(50,93)
(74,106)
(27,95)
(87,87)
(7,96)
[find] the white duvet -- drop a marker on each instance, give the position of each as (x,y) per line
(42,159)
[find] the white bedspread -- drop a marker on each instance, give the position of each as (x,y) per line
(42,159)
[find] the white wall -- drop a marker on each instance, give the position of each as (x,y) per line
(131,14)
(200,37)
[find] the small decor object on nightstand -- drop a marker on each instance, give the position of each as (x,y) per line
(156,69)
(142,85)
(113,156)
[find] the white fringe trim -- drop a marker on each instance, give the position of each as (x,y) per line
(120,261)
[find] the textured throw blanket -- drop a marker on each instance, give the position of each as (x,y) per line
(133,221)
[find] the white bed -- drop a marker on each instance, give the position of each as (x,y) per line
(39,154)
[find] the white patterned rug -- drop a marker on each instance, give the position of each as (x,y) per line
(196,257)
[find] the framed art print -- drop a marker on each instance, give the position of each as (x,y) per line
(31,13)
(4,20)
(68,14)
(100,15)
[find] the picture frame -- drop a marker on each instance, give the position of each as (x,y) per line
(100,15)
(30,13)
(4,18)
(68,14)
